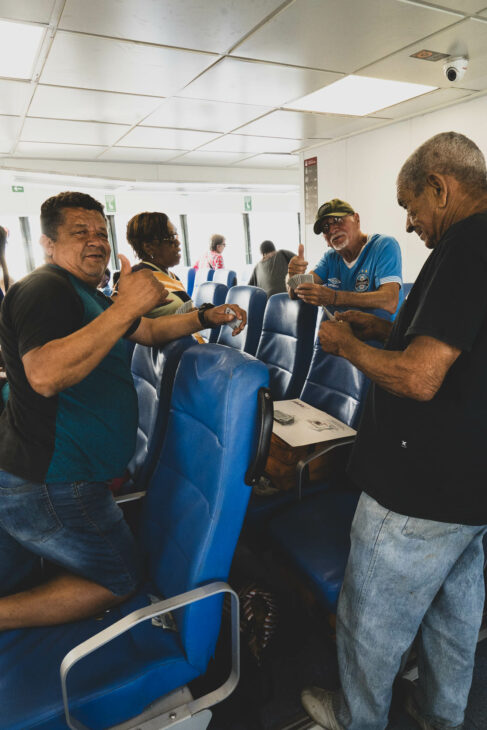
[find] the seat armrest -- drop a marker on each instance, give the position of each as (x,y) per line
(302,465)
(129,497)
(145,614)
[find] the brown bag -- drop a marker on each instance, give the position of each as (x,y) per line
(282,461)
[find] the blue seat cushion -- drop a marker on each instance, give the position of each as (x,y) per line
(315,536)
(110,686)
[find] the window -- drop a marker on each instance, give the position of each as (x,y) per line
(14,251)
(280,228)
(201,226)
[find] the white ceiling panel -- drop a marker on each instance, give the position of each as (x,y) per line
(139,154)
(270,160)
(178,139)
(422,103)
(113,65)
(242,143)
(340,35)
(467,38)
(37,11)
(67,132)
(14,96)
(245,82)
(9,129)
(219,159)
(301,125)
(206,25)
(213,116)
(462,6)
(101,106)
(58,151)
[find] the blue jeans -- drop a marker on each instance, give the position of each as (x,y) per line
(406,575)
(75,525)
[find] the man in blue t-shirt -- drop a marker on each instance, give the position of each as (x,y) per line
(358,271)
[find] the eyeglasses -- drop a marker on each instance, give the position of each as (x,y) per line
(336,220)
(171,238)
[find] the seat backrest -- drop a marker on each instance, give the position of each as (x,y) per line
(225,276)
(245,273)
(214,294)
(336,386)
(153,371)
(286,344)
(406,288)
(253,300)
(197,495)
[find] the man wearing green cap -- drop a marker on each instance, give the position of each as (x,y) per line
(357,271)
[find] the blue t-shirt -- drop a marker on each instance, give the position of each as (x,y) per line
(379,263)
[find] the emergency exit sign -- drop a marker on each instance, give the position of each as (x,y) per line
(247,203)
(17,188)
(110,204)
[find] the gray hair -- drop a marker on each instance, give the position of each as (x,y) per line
(448,153)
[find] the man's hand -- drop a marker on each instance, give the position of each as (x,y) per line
(334,336)
(217,316)
(138,291)
(366,326)
(297,264)
(316,294)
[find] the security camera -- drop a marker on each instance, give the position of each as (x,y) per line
(454,69)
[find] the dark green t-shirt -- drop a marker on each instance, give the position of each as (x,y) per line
(86,432)
(429,459)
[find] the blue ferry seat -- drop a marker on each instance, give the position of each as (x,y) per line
(153,371)
(200,276)
(225,276)
(117,665)
(333,385)
(253,300)
(214,294)
(313,537)
(406,288)
(286,344)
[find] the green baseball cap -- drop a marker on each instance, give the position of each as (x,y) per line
(332,207)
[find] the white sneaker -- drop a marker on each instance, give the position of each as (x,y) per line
(319,706)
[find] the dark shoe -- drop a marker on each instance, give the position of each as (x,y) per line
(318,703)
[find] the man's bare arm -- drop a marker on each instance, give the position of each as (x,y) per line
(416,372)
(63,362)
(386,297)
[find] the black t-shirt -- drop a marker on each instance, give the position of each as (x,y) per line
(85,432)
(271,274)
(429,459)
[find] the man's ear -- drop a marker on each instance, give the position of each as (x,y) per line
(438,185)
(357,218)
(47,245)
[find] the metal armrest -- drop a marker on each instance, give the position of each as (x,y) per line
(302,465)
(145,614)
(130,497)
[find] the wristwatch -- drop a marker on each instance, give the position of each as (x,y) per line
(201,313)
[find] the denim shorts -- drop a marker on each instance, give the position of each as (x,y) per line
(77,526)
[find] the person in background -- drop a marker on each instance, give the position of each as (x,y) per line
(416,563)
(271,271)
(104,284)
(213,259)
(357,271)
(3,261)
(155,242)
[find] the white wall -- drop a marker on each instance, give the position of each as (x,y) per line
(363,171)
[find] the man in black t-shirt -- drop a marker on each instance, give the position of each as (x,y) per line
(416,560)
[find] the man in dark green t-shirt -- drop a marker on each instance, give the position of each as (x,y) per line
(416,560)
(71,418)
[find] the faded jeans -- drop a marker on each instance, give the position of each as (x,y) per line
(406,575)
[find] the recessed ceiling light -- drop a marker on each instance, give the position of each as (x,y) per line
(19,45)
(358,95)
